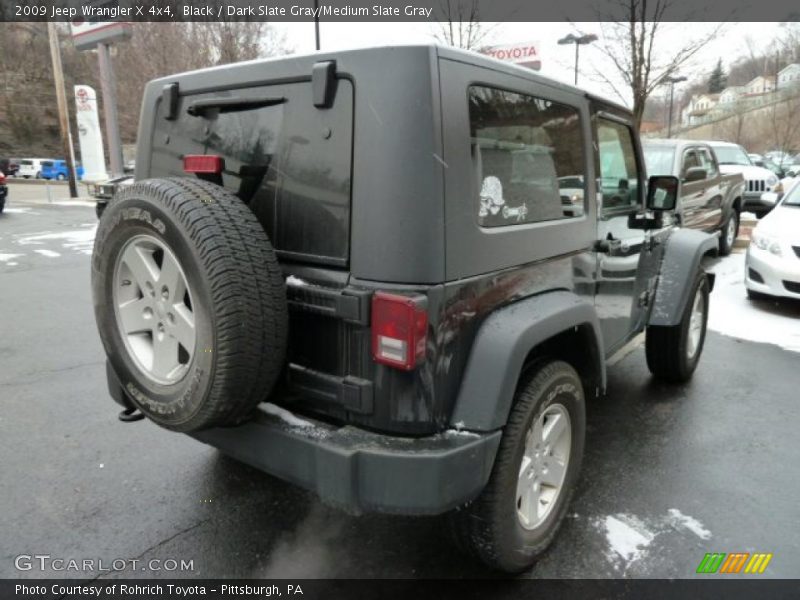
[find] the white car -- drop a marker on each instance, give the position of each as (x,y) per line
(31,167)
(732,158)
(772,264)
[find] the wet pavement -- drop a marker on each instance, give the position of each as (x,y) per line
(670,472)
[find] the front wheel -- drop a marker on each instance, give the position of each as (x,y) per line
(673,352)
(60,177)
(519,511)
(729,233)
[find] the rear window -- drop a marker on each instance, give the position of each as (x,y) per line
(47,163)
(522,147)
(26,162)
(290,161)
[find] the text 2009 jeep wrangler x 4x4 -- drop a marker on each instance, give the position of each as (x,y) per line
(375,240)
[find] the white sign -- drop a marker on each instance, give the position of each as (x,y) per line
(525,54)
(89,135)
(87,34)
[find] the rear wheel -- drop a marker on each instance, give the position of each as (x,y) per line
(729,233)
(519,511)
(673,352)
(190,302)
(60,177)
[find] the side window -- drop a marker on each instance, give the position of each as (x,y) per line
(690,161)
(528,159)
(618,185)
(708,163)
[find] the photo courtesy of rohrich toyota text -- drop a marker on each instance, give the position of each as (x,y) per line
(399,298)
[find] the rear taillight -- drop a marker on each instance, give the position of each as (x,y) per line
(2,178)
(399,325)
(210,164)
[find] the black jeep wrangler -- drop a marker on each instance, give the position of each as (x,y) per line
(359,272)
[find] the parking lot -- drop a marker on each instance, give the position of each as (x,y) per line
(670,472)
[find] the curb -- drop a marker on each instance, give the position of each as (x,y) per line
(745,230)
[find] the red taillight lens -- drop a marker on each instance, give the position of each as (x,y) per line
(203,163)
(2,178)
(399,326)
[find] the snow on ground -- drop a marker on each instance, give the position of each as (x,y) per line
(80,240)
(678,520)
(733,314)
(628,537)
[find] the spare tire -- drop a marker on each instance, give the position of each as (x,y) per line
(189,301)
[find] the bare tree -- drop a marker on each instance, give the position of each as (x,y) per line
(460,26)
(783,123)
(631,35)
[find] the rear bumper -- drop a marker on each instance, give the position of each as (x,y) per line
(358,470)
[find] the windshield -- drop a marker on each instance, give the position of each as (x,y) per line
(659,159)
(731,155)
(793,197)
(570,182)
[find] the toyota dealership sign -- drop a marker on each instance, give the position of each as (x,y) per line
(525,54)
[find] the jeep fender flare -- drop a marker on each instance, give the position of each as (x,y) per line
(505,340)
(683,254)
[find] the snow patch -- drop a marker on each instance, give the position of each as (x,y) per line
(80,240)
(627,536)
(9,257)
(295,281)
(732,314)
(286,416)
(18,210)
(678,519)
(48,253)
(460,433)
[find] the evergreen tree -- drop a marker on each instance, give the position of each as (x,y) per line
(717,80)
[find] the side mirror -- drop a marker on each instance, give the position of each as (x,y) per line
(695,174)
(770,198)
(662,192)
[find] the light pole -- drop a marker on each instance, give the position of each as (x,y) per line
(578,40)
(316,23)
(671,81)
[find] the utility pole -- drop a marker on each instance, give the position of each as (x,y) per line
(671,81)
(109,87)
(61,99)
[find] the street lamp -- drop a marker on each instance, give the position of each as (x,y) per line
(671,81)
(578,40)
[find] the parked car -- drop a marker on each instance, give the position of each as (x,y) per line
(31,167)
(3,191)
(708,200)
(448,320)
(57,169)
(779,157)
(793,166)
(772,264)
(571,194)
(9,166)
(732,158)
(765,162)
(104,191)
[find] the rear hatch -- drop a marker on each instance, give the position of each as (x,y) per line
(292,163)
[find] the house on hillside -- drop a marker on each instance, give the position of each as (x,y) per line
(763,84)
(730,95)
(789,76)
(700,108)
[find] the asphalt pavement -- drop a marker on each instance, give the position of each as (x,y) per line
(670,472)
